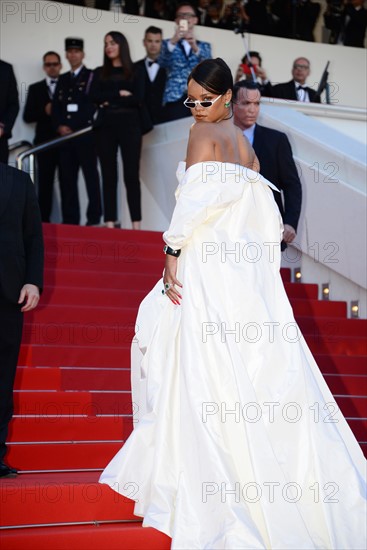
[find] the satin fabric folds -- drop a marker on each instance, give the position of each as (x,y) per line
(237,442)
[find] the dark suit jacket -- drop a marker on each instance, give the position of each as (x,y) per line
(34,111)
(153,92)
(277,165)
(73,91)
(9,100)
(355,28)
(21,244)
(287,90)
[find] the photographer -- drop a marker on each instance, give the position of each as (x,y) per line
(179,55)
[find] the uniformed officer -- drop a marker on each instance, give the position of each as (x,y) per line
(71,111)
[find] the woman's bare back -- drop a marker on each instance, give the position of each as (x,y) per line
(223,142)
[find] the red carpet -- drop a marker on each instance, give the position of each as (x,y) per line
(73,402)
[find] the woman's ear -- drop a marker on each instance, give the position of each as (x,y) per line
(228,96)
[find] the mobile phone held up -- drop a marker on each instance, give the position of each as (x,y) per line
(247,69)
(183,25)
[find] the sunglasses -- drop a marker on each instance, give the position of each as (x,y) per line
(191,104)
(52,64)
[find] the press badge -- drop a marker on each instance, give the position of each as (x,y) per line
(72,107)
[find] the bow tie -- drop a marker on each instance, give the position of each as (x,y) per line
(301,87)
(150,63)
(53,81)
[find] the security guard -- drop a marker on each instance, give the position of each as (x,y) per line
(71,111)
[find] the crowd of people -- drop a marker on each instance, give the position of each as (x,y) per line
(122,100)
(346,20)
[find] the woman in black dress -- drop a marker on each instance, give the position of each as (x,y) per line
(118,89)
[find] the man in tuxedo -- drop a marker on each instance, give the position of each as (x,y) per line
(179,55)
(274,153)
(38,109)
(296,88)
(155,76)
(72,109)
(9,107)
(21,280)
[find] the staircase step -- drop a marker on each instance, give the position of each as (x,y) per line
(358,427)
(60,233)
(336,344)
(127,297)
(40,378)
(42,498)
(351,384)
(82,356)
(69,403)
(62,456)
(341,364)
(326,327)
(118,536)
(68,428)
(95,379)
(352,406)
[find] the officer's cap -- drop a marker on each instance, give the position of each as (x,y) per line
(74,43)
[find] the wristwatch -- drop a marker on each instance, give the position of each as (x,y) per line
(168,250)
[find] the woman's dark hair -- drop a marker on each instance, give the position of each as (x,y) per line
(214,75)
(124,50)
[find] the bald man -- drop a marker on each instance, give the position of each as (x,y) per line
(296,88)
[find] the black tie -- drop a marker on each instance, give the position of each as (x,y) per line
(73,76)
(150,63)
(301,88)
(53,81)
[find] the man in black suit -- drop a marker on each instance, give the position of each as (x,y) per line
(21,280)
(296,89)
(155,76)
(354,24)
(38,110)
(274,153)
(9,107)
(72,109)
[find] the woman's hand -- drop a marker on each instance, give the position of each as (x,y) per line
(124,93)
(169,277)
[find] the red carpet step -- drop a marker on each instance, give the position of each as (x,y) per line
(73,402)
(119,536)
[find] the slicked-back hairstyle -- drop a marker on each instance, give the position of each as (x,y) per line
(51,53)
(153,30)
(247,84)
(125,58)
(214,75)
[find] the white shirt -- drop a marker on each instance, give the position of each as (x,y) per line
(51,86)
(152,70)
(302,95)
(249,133)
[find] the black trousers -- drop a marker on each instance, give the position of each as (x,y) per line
(4,150)
(175,110)
(79,153)
(11,322)
(126,134)
(47,163)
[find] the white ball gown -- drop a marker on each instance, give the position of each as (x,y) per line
(238,442)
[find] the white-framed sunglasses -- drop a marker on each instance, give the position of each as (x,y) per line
(191,104)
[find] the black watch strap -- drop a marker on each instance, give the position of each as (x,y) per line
(168,250)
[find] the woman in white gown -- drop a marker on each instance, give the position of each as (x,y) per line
(238,442)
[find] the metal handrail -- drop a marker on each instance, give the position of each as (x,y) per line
(17,144)
(45,146)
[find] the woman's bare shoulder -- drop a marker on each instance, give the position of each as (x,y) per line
(201,144)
